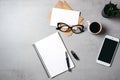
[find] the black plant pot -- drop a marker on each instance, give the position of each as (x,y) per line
(105,15)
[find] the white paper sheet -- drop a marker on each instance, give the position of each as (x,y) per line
(62,15)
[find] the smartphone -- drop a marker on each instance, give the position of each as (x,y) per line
(108,50)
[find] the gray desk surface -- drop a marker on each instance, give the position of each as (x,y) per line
(23,22)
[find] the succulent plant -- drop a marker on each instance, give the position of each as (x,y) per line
(111,10)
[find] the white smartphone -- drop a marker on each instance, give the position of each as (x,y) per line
(107,51)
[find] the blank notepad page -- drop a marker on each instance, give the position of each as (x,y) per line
(51,50)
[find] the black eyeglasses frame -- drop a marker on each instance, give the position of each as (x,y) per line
(70,28)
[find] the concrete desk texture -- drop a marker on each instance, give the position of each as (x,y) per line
(23,22)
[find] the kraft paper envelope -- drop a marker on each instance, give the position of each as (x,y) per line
(65,5)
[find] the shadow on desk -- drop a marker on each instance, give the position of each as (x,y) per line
(104,30)
(116,18)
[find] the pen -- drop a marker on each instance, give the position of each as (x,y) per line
(75,55)
(67,60)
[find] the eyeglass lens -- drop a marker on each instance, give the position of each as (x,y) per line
(76,29)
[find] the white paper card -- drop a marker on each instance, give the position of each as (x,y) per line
(51,51)
(62,15)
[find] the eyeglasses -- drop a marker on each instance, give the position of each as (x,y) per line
(66,28)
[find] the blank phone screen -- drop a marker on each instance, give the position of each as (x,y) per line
(107,50)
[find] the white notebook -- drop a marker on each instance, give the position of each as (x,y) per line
(51,51)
